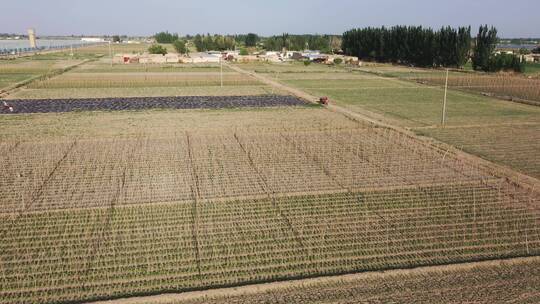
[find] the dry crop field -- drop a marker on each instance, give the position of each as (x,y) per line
(485,283)
(100,79)
(14,71)
(506,85)
(199,207)
(502,131)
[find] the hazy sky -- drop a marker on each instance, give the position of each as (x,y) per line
(134,17)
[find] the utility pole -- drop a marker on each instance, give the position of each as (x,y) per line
(443,119)
(110,53)
(221,70)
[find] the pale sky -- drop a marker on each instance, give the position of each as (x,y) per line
(66,17)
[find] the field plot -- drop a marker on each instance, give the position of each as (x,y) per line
(403,101)
(100,79)
(507,85)
(164,123)
(517,146)
(160,79)
(104,66)
(197,208)
(484,283)
(145,103)
(23,69)
(407,103)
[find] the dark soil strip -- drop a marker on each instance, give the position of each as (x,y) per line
(145,103)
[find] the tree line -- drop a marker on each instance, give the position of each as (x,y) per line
(322,43)
(425,47)
(209,42)
(413,45)
(166,37)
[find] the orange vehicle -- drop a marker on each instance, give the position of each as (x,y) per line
(324,100)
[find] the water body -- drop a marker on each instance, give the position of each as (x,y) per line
(45,43)
(517,46)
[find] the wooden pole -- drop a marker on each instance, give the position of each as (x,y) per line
(443,119)
(110,53)
(221,70)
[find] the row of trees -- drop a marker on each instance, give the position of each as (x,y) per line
(299,42)
(249,40)
(484,57)
(413,45)
(209,42)
(166,37)
(419,46)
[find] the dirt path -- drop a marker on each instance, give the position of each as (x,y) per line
(287,285)
(363,115)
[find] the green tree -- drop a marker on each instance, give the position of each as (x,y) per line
(505,62)
(524,51)
(180,46)
(157,49)
(486,42)
(243,52)
(165,37)
(414,45)
(251,40)
(463,47)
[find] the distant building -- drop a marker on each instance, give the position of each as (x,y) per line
(32,38)
(92,39)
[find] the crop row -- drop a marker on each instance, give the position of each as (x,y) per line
(499,85)
(489,283)
(131,80)
(240,164)
(84,254)
(516,146)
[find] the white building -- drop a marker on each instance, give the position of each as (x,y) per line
(92,39)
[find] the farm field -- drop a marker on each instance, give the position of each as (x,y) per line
(417,106)
(178,194)
(99,79)
(169,209)
(505,85)
(516,146)
(148,103)
(23,69)
(488,282)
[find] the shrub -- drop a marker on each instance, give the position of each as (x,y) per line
(524,51)
(180,46)
(338,61)
(243,52)
(505,62)
(307,62)
(157,49)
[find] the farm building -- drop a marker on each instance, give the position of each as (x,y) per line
(532,58)
(205,57)
(126,58)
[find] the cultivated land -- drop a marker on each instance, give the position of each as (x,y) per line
(396,94)
(102,205)
(509,281)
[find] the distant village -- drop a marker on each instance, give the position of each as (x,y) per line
(234,56)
